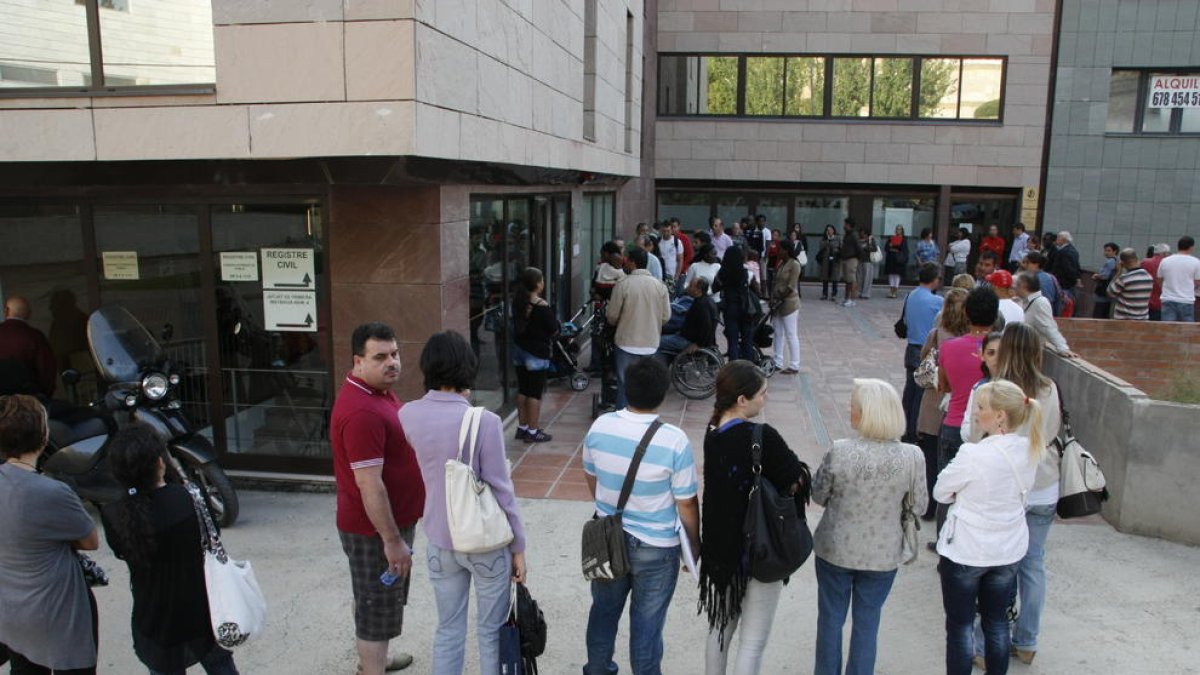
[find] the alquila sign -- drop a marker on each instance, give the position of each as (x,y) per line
(1174,91)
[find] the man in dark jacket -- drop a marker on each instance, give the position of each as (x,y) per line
(1064,265)
(851,252)
(27,364)
(699,327)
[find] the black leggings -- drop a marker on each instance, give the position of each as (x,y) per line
(825,287)
(530,383)
(23,666)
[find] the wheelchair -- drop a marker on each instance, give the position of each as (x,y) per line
(694,373)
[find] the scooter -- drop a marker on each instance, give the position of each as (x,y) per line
(141,388)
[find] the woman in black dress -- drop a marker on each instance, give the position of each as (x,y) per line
(896,260)
(828,260)
(534,326)
(156,532)
(740,305)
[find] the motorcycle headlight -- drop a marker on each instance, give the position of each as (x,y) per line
(155,386)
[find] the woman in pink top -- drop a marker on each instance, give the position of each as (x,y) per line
(958,371)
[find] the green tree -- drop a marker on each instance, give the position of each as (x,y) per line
(939,79)
(892,88)
(722,74)
(764,85)
(988,110)
(805,86)
(851,87)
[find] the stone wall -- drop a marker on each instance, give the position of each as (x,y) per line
(1135,191)
(1007,155)
(1146,448)
(1145,354)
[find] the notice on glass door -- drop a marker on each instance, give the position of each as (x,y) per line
(239,266)
(120,265)
(290,311)
(288,269)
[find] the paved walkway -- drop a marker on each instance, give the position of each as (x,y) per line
(1116,603)
(837,344)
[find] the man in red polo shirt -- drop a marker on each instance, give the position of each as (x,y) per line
(380,494)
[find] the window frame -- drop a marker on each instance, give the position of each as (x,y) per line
(1174,127)
(97,88)
(914,116)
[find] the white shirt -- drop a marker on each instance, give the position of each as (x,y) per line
(721,243)
(671,249)
(1179,274)
(1020,247)
(1045,487)
(1039,315)
(958,252)
(707,271)
(986,485)
(1011,311)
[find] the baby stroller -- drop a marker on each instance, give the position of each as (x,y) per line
(564,354)
(764,337)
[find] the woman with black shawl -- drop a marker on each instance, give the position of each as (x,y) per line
(728,595)
(739,303)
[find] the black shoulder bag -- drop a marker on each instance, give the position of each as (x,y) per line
(604,556)
(778,540)
(901,326)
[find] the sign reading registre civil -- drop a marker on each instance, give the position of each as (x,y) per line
(288,269)
(239,266)
(1174,91)
(294,311)
(120,265)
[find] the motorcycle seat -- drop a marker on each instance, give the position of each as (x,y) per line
(65,432)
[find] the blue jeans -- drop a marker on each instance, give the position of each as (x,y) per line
(651,581)
(835,587)
(739,328)
(450,574)
(1031,578)
(217,662)
(965,589)
(622,360)
(1178,311)
(671,346)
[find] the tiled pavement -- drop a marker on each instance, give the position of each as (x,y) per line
(837,344)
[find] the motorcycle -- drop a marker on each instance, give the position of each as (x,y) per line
(141,388)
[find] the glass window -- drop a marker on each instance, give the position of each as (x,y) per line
(982,81)
(51,279)
(274,377)
(813,214)
(698,85)
(1189,122)
(776,211)
(764,85)
(163,42)
(691,208)
(1156,120)
(851,87)
(1122,101)
(159,42)
(939,88)
(487,299)
(44,44)
(597,222)
(805,86)
(731,209)
(892,88)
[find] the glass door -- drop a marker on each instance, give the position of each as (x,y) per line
(272,329)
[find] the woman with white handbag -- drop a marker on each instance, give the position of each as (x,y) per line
(471,520)
(156,531)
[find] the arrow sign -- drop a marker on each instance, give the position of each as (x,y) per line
(290,311)
(308,322)
(288,268)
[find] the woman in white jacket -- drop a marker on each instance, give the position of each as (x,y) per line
(985,537)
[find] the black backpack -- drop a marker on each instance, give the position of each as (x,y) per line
(532,626)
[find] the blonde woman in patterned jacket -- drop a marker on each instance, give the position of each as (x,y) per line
(862,483)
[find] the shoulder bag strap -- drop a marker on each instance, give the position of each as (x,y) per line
(1017,475)
(469,430)
(631,475)
(756,450)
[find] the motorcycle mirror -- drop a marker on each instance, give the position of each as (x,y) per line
(168,330)
(70,377)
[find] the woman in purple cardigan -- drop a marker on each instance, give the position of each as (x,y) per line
(432,425)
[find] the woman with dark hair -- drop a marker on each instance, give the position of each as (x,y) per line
(432,425)
(47,614)
(957,254)
(738,303)
(706,265)
(786,298)
(156,532)
(895,260)
(534,326)
(829,260)
(728,594)
(927,248)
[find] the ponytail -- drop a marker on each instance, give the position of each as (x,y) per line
(134,457)
(1024,413)
(734,380)
(1037,444)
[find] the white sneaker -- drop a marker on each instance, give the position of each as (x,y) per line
(848,303)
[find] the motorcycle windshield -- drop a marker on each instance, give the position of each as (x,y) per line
(121,345)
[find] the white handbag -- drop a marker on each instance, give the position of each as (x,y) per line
(477,523)
(236,604)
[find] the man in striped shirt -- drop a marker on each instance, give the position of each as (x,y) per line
(1131,290)
(664,496)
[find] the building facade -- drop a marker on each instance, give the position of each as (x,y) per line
(252,180)
(921,114)
(1124,164)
